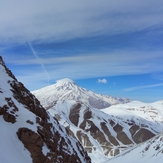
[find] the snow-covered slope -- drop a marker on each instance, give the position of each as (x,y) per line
(27,132)
(108,132)
(150,112)
(150,151)
(66,89)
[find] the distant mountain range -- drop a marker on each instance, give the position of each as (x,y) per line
(106,132)
(67,89)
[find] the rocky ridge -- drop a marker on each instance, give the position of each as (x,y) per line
(28,122)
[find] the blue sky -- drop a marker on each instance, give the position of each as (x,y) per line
(110,47)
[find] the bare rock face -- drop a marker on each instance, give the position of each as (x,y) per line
(33,142)
(139,137)
(42,135)
(74,113)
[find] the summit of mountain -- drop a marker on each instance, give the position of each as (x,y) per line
(65,81)
(67,89)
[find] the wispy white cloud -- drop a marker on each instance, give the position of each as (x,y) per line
(55,21)
(104,81)
(39,61)
(109,64)
(143,87)
(33,81)
(90,66)
(157,75)
(85,66)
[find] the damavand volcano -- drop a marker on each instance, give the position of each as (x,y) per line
(67,89)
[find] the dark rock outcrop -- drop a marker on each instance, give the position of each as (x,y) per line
(34,143)
(9,111)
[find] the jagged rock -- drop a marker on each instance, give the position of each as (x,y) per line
(41,134)
(9,111)
(34,143)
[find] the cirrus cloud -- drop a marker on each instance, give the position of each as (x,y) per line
(43,21)
(143,87)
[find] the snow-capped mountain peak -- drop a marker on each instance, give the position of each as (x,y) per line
(65,81)
(66,84)
(67,89)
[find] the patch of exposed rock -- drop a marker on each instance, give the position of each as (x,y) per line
(34,143)
(9,111)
